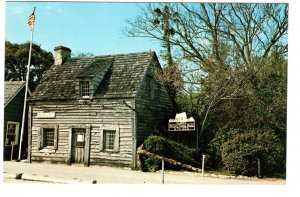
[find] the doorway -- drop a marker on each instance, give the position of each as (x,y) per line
(78,145)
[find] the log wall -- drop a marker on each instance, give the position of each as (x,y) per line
(153,112)
(99,115)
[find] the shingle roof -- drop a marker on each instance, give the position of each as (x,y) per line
(11,88)
(97,66)
(121,80)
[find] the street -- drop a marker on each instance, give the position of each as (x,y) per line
(58,173)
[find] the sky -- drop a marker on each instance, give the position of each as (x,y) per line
(84,27)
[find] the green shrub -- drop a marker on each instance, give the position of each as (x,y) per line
(214,147)
(240,154)
(150,164)
(167,148)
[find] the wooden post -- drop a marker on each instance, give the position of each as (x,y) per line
(70,147)
(12,150)
(203,157)
(258,168)
(163,170)
(86,159)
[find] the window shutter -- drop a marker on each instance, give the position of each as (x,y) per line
(101,140)
(117,140)
(41,138)
(55,137)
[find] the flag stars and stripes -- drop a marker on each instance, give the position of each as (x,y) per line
(31,21)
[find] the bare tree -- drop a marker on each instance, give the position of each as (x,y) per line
(216,46)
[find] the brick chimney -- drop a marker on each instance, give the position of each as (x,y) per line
(61,53)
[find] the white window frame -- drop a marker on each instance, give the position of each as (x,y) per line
(81,86)
(16,132)
(116,140)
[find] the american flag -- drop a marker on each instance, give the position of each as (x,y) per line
(31,20)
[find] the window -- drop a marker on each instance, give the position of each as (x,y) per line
(12,133)
(109,140)
(85,89)
(48,136)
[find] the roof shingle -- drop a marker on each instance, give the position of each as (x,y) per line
(11,88)
(121,80)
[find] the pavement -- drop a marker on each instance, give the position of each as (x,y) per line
(64,174)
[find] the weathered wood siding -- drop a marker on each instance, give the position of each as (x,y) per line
(152,112)
(101,114)
(13,112)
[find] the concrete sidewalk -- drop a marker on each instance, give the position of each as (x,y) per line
(58,173)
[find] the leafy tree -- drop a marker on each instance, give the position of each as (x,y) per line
(233,63)
(242,153)
(16,60)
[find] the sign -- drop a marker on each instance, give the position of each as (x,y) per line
(80,138)
(181,123)
(46,115)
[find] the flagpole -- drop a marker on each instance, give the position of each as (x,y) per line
(25,97)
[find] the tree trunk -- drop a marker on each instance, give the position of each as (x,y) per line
(171,161)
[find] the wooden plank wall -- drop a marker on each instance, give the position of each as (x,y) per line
(101,115)
(13,112)
(152,113)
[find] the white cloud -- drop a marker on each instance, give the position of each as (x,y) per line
(15,9)
(49,7)
(54,7)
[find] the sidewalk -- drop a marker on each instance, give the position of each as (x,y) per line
(59,173)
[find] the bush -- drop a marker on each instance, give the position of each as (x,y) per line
(240,154)
(150,164)
(167,148)
(214,147)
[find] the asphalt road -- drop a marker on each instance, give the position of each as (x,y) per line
(57,173)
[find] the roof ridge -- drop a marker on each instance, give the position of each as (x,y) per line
(116,54)
(132,53)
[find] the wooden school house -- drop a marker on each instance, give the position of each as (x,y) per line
(96,110)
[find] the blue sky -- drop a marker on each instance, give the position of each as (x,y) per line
(84,27)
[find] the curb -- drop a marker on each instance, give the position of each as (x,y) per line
(29,177)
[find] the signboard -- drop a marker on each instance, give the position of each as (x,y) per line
(80,138)
(46,115)
(181,123)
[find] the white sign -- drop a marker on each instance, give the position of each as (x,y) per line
(80,138)
(181,123)
(46,115)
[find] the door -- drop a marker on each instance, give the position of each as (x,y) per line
(78,145)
